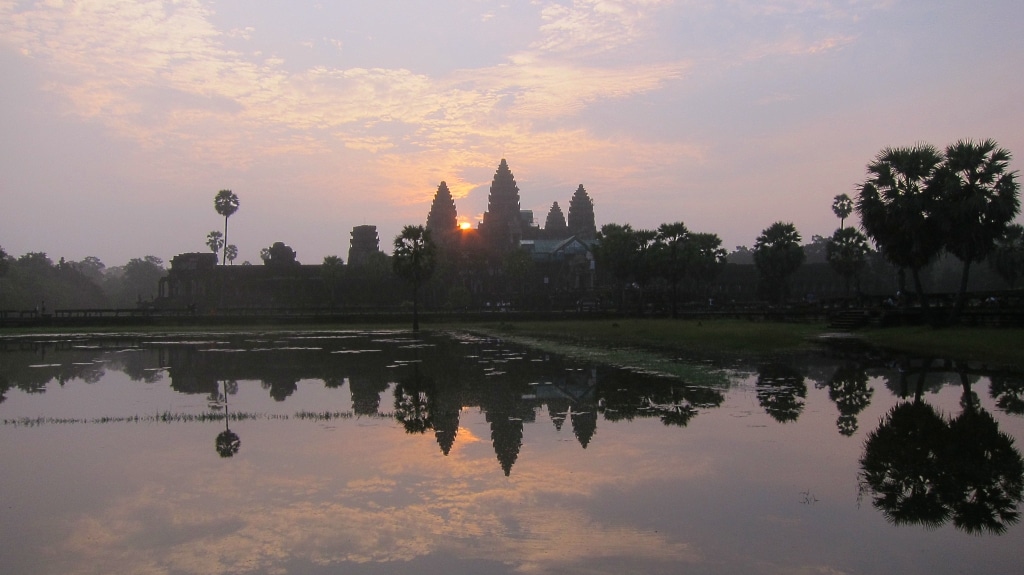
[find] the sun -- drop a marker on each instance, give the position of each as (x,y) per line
(465,225)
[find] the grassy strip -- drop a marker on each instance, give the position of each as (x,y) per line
(994,345)
(726,337)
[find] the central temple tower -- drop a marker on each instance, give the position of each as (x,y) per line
(502,225)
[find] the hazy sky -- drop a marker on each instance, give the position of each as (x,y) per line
(120,120)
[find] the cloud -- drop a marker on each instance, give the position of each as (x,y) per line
(160,72)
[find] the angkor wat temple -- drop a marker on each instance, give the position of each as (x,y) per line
(477,266)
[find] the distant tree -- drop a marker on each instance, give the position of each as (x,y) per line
(215,241)
(231,252)
(672,242)
(141,279)
(842,206)
(1008,256)
(900,211)
(816,252)
(279,255)
(615,252)
(847,252)
(413,260)
(92,268)
(332,271)
(5,264)
(979,198)
(705,258)
(645,264)
(226,203)
(741,256)
(777,254)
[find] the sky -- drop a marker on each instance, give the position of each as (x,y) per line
(120,120)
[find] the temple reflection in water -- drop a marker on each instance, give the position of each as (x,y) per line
(919,465)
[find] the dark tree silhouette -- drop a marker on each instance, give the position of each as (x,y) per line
(842,207)
(231,252)
(226,204)
(923,470)
(900,211)
(986,474)
(777,254)
(215,241)
(1008,391)
(851,393)
(781,391)
(705,258)
(980,199)
(414,260)
(228,442)
(671,244)
(847,252)
(901,465)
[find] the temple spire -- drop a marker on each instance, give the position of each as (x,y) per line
(581,215)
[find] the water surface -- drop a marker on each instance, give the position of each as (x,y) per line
(381,452)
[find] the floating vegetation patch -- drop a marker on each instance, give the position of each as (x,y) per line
(635,360)
(169,417)
(324,415)
(164,417)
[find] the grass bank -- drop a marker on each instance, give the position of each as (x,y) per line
(717,337)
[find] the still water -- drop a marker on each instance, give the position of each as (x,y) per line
(384,452)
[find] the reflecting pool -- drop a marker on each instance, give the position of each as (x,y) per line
(385,452)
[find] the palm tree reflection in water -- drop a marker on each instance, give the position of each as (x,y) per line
(924,470)
(228,441)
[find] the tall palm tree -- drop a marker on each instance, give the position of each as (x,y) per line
(899,210)
(842,206)
(980,199)
(226,204)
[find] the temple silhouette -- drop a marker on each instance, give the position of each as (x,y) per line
(480,262)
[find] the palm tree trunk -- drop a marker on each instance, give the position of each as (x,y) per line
(961,296)
(224,259)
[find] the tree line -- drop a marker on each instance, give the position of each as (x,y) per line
(918,207)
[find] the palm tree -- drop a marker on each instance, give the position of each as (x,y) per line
(980,199)
(842,206)
(414,260)
(215,241)
(671,244)
(226,204)
(231,252)
(847,253)
(899,210)
(777,254)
